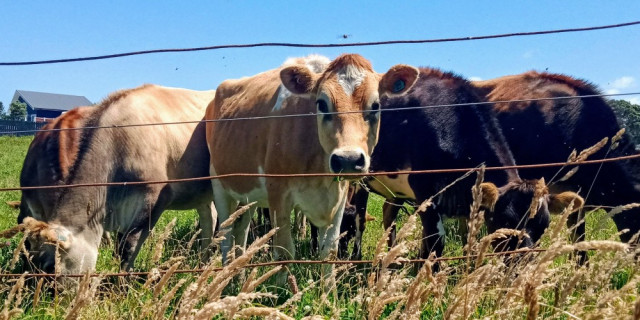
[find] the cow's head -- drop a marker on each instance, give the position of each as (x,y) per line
(524,205)
(348,86)
(76,254)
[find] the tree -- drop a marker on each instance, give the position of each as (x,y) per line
(1,109)
(628,115)
(18,111)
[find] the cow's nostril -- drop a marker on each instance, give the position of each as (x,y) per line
(360,163)
(335,163)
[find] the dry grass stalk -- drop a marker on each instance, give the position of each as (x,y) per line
(469,290)
(476,217)
(263,313)
(228,306)
(250,285)
(161,306)
(586,153)
(36,293)
(158,248)
(615,140)
(17,250)
(193,240)
(538,196)
(623,208)
(232,218)
(11,307)
(487,240)
(210,290)
(157,289)
(531,298)
(84,295)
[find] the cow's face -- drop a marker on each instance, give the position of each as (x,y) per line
(512,205)
(348,86)
(75,253)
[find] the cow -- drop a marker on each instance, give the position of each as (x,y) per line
(451,137)
(74,219)
(343,99)
(549,130)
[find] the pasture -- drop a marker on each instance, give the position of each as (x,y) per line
(547,285)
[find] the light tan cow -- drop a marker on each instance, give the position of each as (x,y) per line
(320,143)
(76,218)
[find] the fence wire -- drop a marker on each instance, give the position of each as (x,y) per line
(313,114)
(330,45)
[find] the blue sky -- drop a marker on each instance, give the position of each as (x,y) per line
(37,30)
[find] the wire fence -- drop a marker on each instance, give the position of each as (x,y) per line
(330,45)
(313,114)
(270,264)
(301,45)
(316,175)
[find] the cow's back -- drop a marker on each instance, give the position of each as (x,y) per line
(548,130)
(160,152)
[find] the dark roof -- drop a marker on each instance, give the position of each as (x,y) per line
(51,101)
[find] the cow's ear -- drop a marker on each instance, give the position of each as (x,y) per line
(368,217)
(298,79)
(398,80)
(558,202)
(490,195)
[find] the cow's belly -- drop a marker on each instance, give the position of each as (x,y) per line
(397,187)
(319,203)
(122,213)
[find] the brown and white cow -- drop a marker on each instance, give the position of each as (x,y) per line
(322,143)
(79,216)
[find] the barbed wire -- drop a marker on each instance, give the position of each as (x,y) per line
(313,114)
(330,45)
(316,175)
(270,264)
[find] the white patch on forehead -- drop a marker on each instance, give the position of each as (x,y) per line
(350,77)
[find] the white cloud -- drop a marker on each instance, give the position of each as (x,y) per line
(623,82)
(634,100)
(475,78)
(528,54)
(612,91)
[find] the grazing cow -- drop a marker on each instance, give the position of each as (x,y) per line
(323,143)
(79,216)
(453,137)
(549,130)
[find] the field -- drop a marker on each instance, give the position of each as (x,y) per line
(547,285)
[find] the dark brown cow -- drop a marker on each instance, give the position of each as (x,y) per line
(78,217)
(549,130)
(447,138)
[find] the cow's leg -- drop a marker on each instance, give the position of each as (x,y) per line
(314,240)
(578,233)
(241,231)
(389,215)
(359,199)
(432,234)
(208,220)
(156,200)
(280,214)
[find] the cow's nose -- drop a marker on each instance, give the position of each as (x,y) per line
(348,161)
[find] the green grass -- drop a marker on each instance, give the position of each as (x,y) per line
(124,298)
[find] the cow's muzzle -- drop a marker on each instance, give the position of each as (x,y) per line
(348,161)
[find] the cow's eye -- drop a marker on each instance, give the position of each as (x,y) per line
(375,106)
(322,106)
